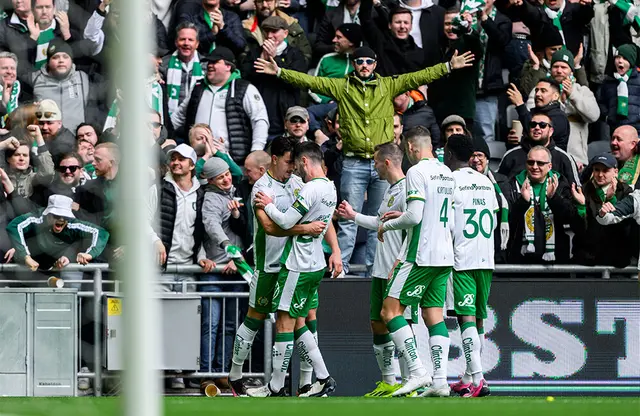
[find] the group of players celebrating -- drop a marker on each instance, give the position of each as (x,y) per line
(447,213)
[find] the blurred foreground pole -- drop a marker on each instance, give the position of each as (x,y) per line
(142,347)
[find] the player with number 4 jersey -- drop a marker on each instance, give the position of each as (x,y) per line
(475,208)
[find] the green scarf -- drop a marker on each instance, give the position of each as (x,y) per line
(484,40)
(235,253)
(602,195)
(629,172)
(112,117)
(234,75)
(44,38)
(540,197)
(630,11)
(156,98)
(174,79)
(91,171)
(13,102)
(555,16)
(623,93)
(207,19)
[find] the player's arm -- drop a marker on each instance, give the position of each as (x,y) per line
(286,220)
(271,228)
(408,219)
(370,222)
(335,260)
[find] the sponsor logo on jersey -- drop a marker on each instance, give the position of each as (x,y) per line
(417,292)
(412,192)
(441,177)
(301,304)
(328,203)
(475,187)
(467,301)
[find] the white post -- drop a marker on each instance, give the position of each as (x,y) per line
(142,347)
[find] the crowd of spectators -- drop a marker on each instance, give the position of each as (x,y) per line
(551,100)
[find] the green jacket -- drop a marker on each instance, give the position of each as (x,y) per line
(331,65)
(31,235)
(365,107)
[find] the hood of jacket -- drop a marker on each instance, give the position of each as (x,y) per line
(212,188)
(195,185)
(425,4)
(527,144)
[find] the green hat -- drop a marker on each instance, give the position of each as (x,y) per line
(563,55)
(629,52)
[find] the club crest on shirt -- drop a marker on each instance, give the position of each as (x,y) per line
(391,201)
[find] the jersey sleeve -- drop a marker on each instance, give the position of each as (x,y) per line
(415,186)
(259,187)
(304,201)
(286,220)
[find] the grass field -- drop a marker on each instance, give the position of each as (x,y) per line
(179,406)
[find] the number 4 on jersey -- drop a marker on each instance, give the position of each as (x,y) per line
(444,212)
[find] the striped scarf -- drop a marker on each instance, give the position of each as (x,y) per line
(623,93)
(631,12)
(207,19)
(174,79)
(44,38)
(13,102)
(112,117)
(155,98)
(555,16)
(235,253)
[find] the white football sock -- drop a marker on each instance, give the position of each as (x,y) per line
(241,349)
(280,357)
(384,357)
(406,346)
(471,351)
(439,356)
(310,352)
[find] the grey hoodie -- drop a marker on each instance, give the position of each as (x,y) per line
(216,217)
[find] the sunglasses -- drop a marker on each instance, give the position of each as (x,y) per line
(47,114)
(297,120)
(367,61)
(72,169)
(542,124)
(539,163)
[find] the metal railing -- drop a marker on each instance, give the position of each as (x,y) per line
(99,291)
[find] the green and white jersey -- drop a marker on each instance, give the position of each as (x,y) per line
(475,207)
(268,249)
(429,243)
(386,253)
(315,202)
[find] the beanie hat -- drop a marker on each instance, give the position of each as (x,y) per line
(214,167)
(629,52)
(563,55)
(549,36)
(364,52)
(480,145)
(352,32)
(58,45)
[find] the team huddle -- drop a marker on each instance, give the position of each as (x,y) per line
(435,227)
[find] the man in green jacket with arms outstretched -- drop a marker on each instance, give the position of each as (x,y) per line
(365,106)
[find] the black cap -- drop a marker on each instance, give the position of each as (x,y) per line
(352,32)
(479,145)
(58,45)
(549,36)
(364,52)
(605,159)
(219,53)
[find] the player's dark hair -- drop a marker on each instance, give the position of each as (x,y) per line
(418,134)
(461,147)
(389,151)
(399,10)
(308,149)
(281,145)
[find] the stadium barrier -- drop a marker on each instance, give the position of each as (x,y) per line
(103,289)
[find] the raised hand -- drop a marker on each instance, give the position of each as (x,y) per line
(514,95)
(552,186)
(345,210)
(578,58)
(533,58)
(607,207)
(63,20)
(578,196)
(525,190)
(461,61)
(263,66)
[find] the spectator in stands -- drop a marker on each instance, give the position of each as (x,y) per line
(216,26)
(480,162)
(427,28)
(624,147)
(59,80)
(278,96)
(495,34)
(96,198)
(346,12)
(256,165)
(231,106)
(595,244)
(538,66)
(7,213)
(337,64)
(389,35)
(580,105)
(87,132)
(361,132)
(540,134)
(295,35)
(398,129)
(546,100)
(202,141)
(69,175)
(58,138)
(620,100)
(85,150)
(540,205)
(456,94)
(415,111)
(296,123)
(18,158)
(224,225)
(182,69)
(12,90)
(45,239)
(17,33)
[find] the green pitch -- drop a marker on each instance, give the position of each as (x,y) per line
(179,406)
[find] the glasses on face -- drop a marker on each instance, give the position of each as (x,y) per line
(367,61)
(72,169)
(541,124)
(297,120)
(479,156)
(47,114)
(540,163)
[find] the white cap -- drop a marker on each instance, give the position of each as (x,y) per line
(60,206)
(185,150)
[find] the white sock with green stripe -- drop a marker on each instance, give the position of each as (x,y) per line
(405,344)
(471,350)
(245,335)
(280,358)
(439,344)
(309,352)
(383,348)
